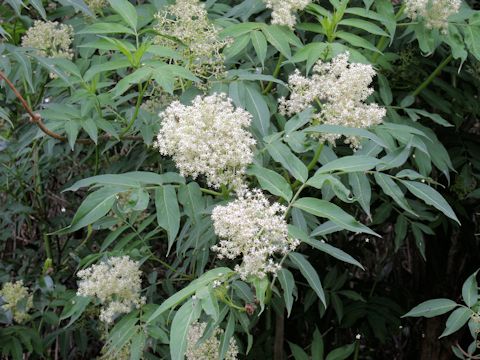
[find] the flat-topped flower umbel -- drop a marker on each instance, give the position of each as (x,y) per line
(185,27)
(283,11)
(435,13)
(209,348)
(340,88)
(253,228)
(50,39)
(209,138)
(116,283)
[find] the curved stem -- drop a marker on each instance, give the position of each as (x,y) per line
(37,119)
(312,163)
(432,76)
(275,74)
(141,91)
(211,192)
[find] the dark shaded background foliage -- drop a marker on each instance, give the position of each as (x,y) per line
(32,205)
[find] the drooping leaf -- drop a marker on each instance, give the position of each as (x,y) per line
(431,308)
(310,274)
(185,316)
(288,284)
(431,197)
(271,181)
(332,212)
(470,290)
(456,320)
(168,212)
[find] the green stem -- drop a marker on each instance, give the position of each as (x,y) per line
(97,160)
(312,163)
(211,192)
(48,248)
(357,350)
(141,91)
(432,76)
(225,192)
(381,45)
(275,74)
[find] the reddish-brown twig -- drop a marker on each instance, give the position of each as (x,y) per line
(37,119)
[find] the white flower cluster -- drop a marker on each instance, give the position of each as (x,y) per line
(17,299)
(207,349)
(116,283)
(96,5)
(185,26)
(435,13)
(253,228)
(209,138)
(51,39)
(284,11)
(340,88)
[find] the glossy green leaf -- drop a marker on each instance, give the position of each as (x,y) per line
(186,315)
(297,233)
(310,274)
(432,308)
(257,106)
(94,207)
(282,154)
(271,181)
(431,197)
(362,191)
(288,284)
(189,290)
(332,212)
(456,320)
(168,212)
(347,164)
(341,353)
(470,290)
(126,10)
(390,188)
(260,45)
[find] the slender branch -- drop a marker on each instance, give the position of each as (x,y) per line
(432,76)
(141,91)
(312,163)
(211,192)
(37,119)
(275,74)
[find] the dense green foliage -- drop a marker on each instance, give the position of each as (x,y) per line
(384,222)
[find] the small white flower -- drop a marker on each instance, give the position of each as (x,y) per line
(283,11)
(207,349)
(51,39)
(342,89)
(209,138)
(435,13)
(116,283)
(17,299)
(254,229)
(187,21)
